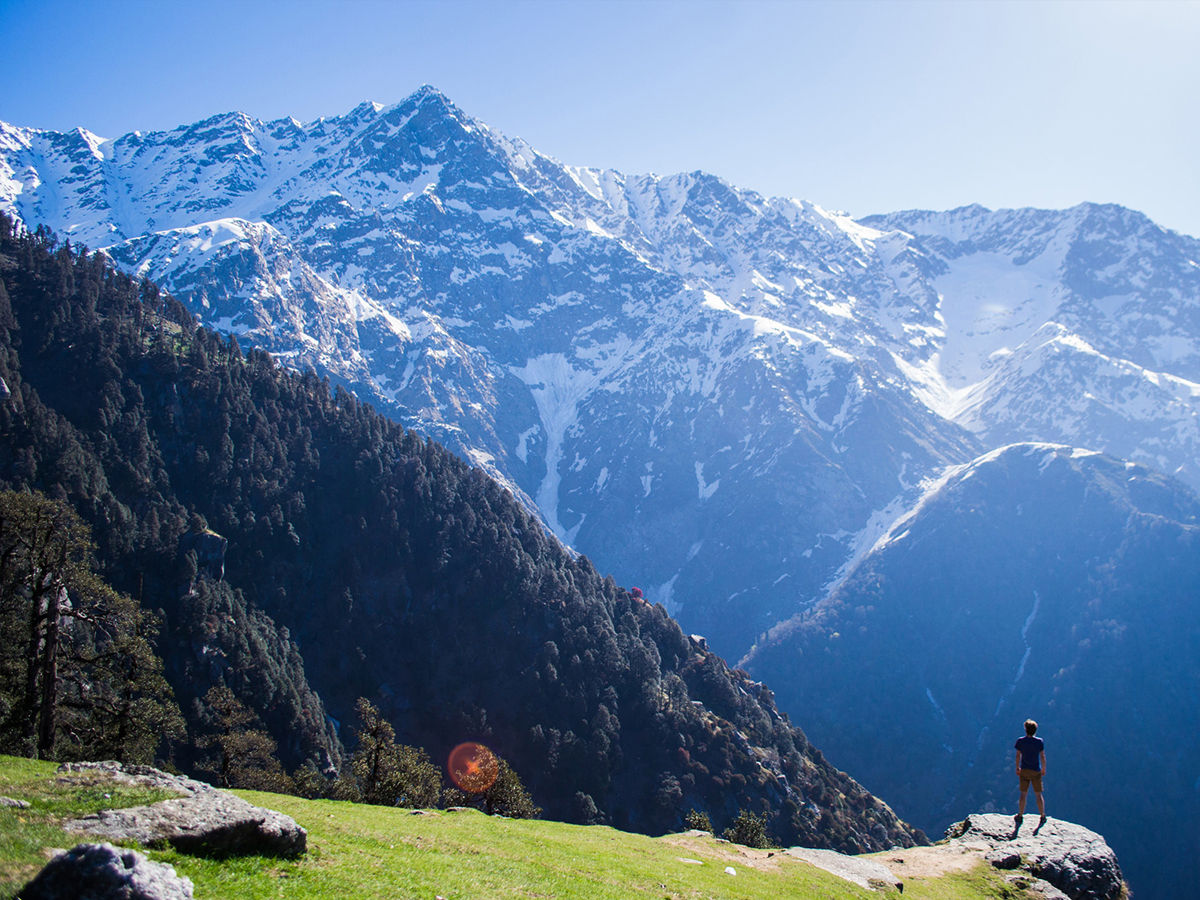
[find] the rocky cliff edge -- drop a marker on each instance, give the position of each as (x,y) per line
(1055,859)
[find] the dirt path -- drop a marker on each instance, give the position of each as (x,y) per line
(928,862)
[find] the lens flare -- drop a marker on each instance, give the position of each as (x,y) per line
(473,767)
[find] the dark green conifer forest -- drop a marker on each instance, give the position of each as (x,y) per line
(286,545)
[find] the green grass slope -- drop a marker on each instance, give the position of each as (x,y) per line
(358,851)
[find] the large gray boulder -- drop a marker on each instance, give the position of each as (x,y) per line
(1074,859)
(105,872)
(204,821)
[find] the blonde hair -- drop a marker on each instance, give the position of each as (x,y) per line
(1030,727)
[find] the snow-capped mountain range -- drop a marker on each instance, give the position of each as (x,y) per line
(709,392)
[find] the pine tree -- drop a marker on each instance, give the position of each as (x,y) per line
(374,762)
(78,674)
(243,754)
(391,774)
(124,708)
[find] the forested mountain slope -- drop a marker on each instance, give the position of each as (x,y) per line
(306,551)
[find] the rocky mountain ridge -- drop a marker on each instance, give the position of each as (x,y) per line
(707,391)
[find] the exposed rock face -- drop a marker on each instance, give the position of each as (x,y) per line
(1074,859)
(210,551)
(205,821)
(864,872)
(105,872)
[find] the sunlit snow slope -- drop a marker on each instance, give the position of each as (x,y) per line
(709,392)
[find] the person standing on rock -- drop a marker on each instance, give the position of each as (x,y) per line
(1031,766)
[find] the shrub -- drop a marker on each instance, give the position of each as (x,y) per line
(748,830)
(508,797)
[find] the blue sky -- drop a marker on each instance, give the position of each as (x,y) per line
(860,106)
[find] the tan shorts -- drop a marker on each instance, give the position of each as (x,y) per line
(1030,777)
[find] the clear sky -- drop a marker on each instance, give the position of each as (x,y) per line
(862,106)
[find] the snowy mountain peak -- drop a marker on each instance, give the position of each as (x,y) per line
(668,366)
(430,97)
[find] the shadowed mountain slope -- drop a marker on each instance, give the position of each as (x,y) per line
(363,560)
(1037,581)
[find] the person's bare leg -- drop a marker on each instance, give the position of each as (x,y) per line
(1021,803)
(1041,802)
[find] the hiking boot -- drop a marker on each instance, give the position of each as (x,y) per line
(1018,818)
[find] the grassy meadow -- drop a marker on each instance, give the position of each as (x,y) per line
(357,851)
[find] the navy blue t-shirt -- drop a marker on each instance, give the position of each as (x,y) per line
(1031,752)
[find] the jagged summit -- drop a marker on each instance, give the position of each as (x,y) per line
(428,94)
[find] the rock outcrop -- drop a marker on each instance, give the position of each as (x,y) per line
(105,872)
(209,548)
(203,821)
(1055,861)
(864,872)
(1074,859)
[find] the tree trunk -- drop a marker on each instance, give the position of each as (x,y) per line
(33,653)
(56,600)
(39,588)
